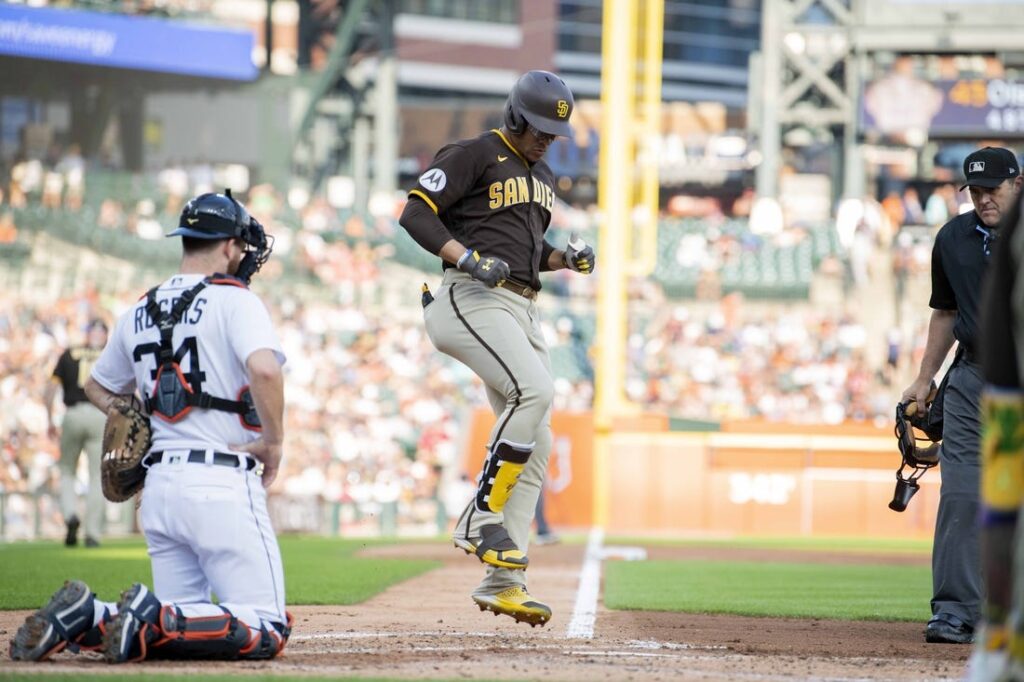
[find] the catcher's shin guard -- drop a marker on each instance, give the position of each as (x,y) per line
(144,629)
(218,637)
(66,621)
(501,472)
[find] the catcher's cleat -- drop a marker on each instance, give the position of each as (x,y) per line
(517,603)
(64,619)
(494,547)
(134,626)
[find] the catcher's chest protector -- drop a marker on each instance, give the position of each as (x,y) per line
(173,396)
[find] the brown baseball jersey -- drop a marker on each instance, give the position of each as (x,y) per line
(73,368)
(491,199)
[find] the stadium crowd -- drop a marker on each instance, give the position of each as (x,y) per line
(375,416)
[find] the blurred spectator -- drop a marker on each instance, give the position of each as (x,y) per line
(937,208)
(8,230)
(26,180)
(893,208)
(913,213)
(72,169)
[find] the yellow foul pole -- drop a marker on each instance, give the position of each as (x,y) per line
(630,113)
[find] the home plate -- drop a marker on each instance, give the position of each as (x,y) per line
(624,553)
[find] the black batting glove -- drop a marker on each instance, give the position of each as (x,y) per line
(579,256)
(491,271)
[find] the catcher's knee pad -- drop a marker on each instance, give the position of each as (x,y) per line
(501,472)
(1002,454)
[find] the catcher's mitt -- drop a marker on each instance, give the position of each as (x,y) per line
(126,440)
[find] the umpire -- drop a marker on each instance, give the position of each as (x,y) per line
(959,261)
(484,206)
(82,429)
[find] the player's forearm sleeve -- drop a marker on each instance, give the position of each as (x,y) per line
(545,255)
(423,225)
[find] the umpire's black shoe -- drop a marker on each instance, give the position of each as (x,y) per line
(945,628)
(71,539)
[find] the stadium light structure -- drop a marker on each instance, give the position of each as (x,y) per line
(815,53)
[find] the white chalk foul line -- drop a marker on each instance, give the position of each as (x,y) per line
(584,613)
(381,635)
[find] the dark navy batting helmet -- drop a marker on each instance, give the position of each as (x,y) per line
(540,99)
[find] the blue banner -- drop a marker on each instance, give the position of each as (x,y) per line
(126,42)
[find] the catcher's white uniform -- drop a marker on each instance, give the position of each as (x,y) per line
(205,521)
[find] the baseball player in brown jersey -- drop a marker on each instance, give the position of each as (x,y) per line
(999,647)
(483,206)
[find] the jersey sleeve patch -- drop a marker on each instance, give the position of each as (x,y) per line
(434,180)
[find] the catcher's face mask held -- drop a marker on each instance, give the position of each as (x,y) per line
(919,448)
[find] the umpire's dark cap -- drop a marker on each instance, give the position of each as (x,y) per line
(988,167)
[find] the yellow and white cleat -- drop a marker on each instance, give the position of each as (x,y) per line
(517,603)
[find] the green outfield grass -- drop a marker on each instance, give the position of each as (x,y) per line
(811,544)
(317,570)
(846,592)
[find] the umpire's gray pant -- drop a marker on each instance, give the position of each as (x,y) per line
(497,334)
(957,586)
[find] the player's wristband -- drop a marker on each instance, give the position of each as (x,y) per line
(470,253)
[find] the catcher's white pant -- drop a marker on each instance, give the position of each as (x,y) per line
(208,530)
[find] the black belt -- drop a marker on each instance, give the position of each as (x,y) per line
(224,459)
(518,288)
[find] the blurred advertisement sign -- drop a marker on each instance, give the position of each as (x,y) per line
(806,198)
(126,42)
(907,106)
(918,13)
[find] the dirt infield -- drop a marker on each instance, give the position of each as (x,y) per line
(428,628)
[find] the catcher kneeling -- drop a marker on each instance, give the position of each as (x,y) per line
(202,351)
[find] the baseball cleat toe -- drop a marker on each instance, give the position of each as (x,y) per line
(516,603)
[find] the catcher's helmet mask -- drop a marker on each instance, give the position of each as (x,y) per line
(221,216)
(919,449)
(540,99)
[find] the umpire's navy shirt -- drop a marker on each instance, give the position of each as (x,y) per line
(958,271)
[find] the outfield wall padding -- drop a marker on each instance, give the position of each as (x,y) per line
(826,482)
